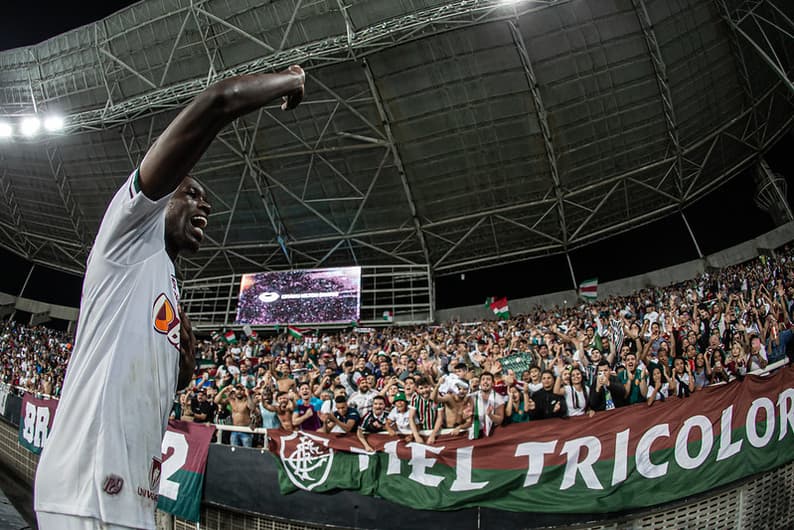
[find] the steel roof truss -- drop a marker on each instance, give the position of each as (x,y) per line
(12,207)
(543,121)
(397,160)
(460,240)
(660,70)
(65,192)
(767,53)
(368,192)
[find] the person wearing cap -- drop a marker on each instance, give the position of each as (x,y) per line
(201,407)
(373,422)
(398,423)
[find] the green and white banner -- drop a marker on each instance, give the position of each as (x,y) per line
(518,362)
(617,460)
(185,448)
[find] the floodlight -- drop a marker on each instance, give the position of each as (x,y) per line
(30,126)
(53,123)
(5,130)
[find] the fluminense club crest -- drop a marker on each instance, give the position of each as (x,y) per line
(307,459)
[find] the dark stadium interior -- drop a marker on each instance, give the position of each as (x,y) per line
(455,152)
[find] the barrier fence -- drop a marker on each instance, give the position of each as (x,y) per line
(760,501)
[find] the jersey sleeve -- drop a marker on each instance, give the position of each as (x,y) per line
(133,227)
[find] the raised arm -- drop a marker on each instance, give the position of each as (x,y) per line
(186,139)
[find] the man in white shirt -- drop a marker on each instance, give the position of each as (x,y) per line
(101,465)
(362,398)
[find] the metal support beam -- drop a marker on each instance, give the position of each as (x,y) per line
(22,290)
(691,234)
(570,268)
(660,69)
(65,192)
(248,153)
(765,52)
(18,238)
(127,67)
(397,160)
(459,241)
(769,191)
(540,111)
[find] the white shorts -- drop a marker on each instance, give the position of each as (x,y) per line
(59,521)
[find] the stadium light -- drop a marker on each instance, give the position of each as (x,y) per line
(53,123)
(5,130)
(30,126)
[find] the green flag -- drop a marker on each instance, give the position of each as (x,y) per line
(180,492)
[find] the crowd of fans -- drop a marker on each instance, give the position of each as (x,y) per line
(656,344)
(334,297)
(33,358)
(420,382)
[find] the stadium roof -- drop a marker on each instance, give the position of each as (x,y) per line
(455,134)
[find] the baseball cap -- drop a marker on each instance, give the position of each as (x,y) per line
(399,396)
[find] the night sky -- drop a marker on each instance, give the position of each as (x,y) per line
(725,217)
(25,23)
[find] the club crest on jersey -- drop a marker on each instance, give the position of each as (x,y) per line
(113,484)
(166,319)
(154,474)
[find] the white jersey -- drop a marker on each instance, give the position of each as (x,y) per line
(102,458)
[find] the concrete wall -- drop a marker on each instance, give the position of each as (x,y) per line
(61,312)
(658,278)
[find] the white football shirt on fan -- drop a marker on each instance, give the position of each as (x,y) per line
(102,458)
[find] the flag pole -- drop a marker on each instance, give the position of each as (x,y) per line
(570,268)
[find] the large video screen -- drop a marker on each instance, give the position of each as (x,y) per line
(315,296)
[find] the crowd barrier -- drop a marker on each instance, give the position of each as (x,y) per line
(241,492)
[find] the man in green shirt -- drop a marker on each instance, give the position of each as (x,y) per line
(634,380)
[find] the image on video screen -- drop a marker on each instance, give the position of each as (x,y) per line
(316,296)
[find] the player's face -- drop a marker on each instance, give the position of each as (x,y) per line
(186,218)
